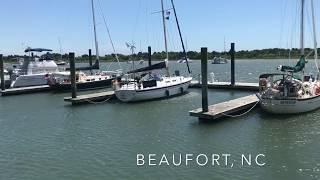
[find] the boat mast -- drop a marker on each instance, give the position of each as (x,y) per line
(95,32)
(181,39)
(165,37)
(314,36)
(302,29)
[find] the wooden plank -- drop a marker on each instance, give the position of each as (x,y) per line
(93,97)
(25,90)
(226,108)
(227,85)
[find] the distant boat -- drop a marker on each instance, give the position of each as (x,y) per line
(184,61)
(141,61)
(219,60)
(61,63)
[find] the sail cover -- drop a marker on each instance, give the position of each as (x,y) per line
(36,50)
(160,65)
(299,66)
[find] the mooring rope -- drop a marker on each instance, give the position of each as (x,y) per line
(239,115)
(100,102)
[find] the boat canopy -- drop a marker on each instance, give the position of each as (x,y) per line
(160,65)
(299,66)
(36,50)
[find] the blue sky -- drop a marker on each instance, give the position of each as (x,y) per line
(251,24)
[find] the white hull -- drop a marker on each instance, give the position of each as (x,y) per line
(132,95)
(30,80)
(290,106)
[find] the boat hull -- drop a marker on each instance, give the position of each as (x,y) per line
(151,94)
(290,106)
(30,80)
(83,85)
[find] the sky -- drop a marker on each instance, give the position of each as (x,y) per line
(251,24)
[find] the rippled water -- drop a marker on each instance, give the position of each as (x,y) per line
(42,137)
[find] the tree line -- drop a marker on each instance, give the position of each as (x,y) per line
(273,53)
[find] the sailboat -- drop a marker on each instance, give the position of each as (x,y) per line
(220,60)
(147,84)
(61,81)
(286,92)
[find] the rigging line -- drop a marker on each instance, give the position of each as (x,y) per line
(109,34)
(135,26)
(314,36)
(181,39)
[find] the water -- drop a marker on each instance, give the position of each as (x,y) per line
(42,137)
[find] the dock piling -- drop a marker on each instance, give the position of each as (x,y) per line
(73,75)
(90,60)
(2,73)
(232,52)
(204,79)
(149,55)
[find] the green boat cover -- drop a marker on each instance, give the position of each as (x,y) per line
(299,66)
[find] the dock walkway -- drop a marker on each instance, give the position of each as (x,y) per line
(226,108)
(227,85)
(91,98)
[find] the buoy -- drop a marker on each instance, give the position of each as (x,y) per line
(167,93)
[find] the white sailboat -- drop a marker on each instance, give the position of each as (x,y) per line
(285,93)
(148,85)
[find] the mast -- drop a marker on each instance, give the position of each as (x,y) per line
(314,36)
(181,39)
(95,32)
(302,29)
(165,36)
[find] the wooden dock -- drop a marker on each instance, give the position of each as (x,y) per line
(25,90)
(227,85)
(226,108)
(91,98)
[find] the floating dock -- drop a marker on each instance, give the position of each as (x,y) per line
(227,108)
(227,85)
(25,90)
(91,98)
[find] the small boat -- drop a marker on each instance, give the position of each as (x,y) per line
(149,85)
(289,92)
(61,63)
(141,61)
(219,60)
(61,81)
(33,71)
(184,61)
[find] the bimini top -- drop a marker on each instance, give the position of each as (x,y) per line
(29,49)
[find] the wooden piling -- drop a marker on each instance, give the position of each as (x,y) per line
(2,73)
(90,60)
(73,75)
(149,55)
(232,52)
(204,78)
